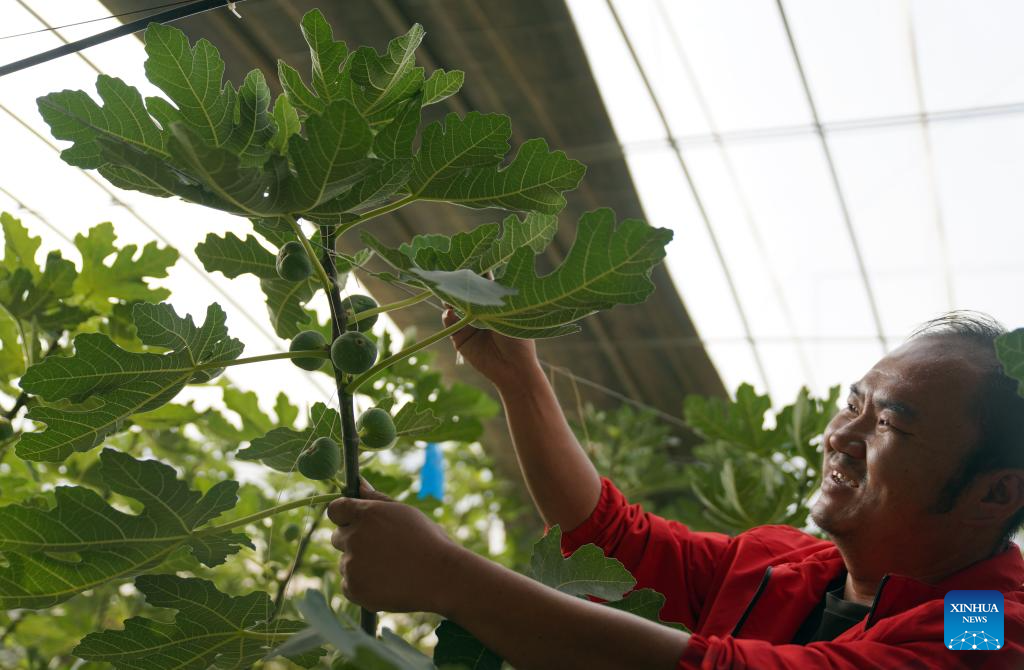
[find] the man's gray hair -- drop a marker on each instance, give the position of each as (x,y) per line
(998,406)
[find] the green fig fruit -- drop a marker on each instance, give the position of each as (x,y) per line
(376,429)
(308,340)
(353,352)
(293,263)
(291,532)
(321,459)
(354,304)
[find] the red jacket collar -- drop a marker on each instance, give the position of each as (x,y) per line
(797,587)
(1003,572)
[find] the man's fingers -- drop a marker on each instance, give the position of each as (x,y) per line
(450,318)
(367,492)
(339,538)
(345,511)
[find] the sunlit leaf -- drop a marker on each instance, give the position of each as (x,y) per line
(377,82)
(326,54)
(287,121)
(97,284)
(441,85)
(43,299)
(19,246)
(255,126)
(12,352)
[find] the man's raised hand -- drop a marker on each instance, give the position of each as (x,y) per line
(502,359)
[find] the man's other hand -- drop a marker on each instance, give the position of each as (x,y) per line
(502,359)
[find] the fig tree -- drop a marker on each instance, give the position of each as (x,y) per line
(376,429)
(291,532)
(308,340)
(353,352)
(293,262)
(321,459)
(354,304)
(6,429)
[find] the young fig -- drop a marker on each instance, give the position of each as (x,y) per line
(353,352)
(321,459)
(291,532)
(353,305)
(293,263)
(308,340)
(376,429)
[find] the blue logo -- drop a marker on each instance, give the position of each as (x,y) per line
(974,620)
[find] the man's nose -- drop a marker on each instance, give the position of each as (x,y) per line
(848,439)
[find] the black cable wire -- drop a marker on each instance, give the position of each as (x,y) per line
(101,18)
(172,14)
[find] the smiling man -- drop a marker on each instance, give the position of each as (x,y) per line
(923,488)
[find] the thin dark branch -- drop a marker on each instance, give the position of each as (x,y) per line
(12,626)
(19,402)
(300,553)
(22,398)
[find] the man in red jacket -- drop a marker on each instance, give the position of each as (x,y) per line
(923,487)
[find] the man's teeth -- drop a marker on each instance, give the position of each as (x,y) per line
(839,478)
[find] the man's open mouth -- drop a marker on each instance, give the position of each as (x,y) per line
(842,480)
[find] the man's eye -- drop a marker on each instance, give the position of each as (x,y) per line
(888,424)
(850,406)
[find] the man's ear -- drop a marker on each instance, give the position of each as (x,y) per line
(1001,495)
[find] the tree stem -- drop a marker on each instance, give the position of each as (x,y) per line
(405,353)
(349,438)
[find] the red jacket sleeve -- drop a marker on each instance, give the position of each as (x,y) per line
(729,653)
(661,554)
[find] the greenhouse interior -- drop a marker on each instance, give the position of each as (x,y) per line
(481,335)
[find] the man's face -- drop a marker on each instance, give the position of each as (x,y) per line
(905,430)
